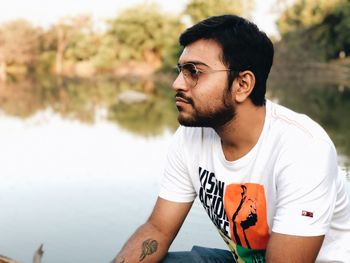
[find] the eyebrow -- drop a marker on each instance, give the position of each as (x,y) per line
(195,62)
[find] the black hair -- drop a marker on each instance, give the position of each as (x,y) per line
(244,47)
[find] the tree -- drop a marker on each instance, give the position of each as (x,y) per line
(333,33)
(319,29)
(83,42)
(73,39)
(144,34)
(19,45)
(304,14)
(106,53)
(199,9)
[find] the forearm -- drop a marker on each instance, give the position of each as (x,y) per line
(147,244)
(292,249)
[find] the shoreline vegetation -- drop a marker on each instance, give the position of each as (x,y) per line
(141,41)
(333,72)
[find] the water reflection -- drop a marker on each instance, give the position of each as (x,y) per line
(79,99)
(150,117)
(327,103)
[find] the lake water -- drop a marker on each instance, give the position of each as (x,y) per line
(80,170)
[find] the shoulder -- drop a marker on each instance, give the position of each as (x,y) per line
(300,139)
(296,129)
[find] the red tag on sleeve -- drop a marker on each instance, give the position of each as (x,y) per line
(307,213)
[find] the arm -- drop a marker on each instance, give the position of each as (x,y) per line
(292,249)
(306,197)
(152,240)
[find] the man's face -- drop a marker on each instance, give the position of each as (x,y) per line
(203,100)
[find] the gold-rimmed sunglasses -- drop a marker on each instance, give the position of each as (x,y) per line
(191,73)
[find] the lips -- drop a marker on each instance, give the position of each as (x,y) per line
(180,99)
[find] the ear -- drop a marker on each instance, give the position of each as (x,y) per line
(245,83)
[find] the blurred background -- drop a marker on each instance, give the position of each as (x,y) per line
(87,113)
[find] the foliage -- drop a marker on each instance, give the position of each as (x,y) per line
(333,33)
(304,14)
(106,53)
(318,29)
(198,10)
(82,43)
(71,39)
(143,33)
(19,42)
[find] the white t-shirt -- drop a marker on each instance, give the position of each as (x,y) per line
(287,183)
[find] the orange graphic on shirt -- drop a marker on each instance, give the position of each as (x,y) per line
(245,206)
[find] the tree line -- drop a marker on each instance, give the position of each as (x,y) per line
(143,38)
(139,40)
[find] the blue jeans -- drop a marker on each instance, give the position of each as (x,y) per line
(200,255)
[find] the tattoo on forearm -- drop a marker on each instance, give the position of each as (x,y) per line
(149,246)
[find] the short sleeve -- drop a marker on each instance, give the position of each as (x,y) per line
(306,188)
(176,184)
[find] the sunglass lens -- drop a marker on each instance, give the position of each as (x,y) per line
(190,69)
(190,73)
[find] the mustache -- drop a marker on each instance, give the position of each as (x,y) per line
(184,97)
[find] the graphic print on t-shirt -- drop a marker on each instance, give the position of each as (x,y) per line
(211,194)
(245,206)
(239,212)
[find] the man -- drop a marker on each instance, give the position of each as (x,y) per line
(266,176)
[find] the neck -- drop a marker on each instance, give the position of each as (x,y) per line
(241,134)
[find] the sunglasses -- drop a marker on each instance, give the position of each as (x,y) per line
(191,73)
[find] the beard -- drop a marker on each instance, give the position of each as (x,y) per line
(213,118)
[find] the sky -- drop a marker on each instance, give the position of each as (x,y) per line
(46,12)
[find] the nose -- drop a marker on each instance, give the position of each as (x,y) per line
(179,83)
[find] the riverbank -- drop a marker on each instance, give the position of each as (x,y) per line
(333,72)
